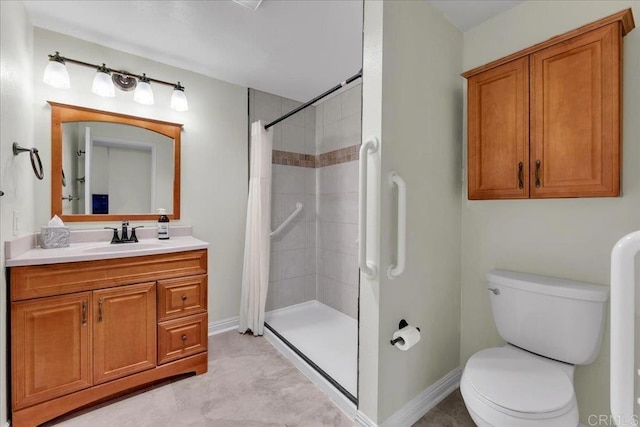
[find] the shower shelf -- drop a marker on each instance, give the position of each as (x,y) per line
(286,222)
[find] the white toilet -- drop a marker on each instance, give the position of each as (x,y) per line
(550,325)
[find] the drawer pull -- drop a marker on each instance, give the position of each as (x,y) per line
(100,310)
(184,297)
(184,338)
(84,312)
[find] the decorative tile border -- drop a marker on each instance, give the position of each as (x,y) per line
(288,158)
(343,155)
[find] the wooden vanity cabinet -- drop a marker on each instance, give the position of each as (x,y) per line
(545,122)
(124,331)
(50,347)
(101,339)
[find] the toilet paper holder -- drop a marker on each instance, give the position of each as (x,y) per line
(403,324)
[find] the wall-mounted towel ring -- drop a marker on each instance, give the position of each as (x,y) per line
(33,153)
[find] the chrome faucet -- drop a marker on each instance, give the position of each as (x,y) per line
(125,233)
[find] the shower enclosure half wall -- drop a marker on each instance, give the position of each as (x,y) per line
(312,302)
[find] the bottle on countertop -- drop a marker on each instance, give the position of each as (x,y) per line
(163,225)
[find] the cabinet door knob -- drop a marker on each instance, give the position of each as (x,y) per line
(184,297)
(537,173)
(520,175)
(184,338)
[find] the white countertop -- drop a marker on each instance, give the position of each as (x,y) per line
(97,250)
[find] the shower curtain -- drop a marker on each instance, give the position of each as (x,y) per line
(257,245)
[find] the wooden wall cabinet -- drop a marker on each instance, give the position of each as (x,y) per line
(545,122)
(73,346)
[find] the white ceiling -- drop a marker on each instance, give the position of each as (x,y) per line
(292,48)
(466,14)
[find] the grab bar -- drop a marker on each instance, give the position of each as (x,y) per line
(622,328)
(394,271)
(367,267)
(286,222)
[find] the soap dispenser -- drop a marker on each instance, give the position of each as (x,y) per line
(163,225)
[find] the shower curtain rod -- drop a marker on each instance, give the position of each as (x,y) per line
(316,99)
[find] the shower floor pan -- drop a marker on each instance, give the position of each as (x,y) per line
(325,337)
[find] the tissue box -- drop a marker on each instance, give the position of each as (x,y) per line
(54,237)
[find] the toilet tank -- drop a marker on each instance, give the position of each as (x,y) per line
(556,318)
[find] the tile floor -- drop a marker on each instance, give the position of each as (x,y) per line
(451,412)
(249,384)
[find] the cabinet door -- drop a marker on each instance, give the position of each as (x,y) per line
(124,331)
(575,116)
(498,132)
(50,345)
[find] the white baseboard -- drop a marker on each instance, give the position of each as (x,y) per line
(325,386)
(363,421)
(224,325)
(417,407)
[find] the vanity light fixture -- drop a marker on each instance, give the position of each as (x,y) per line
(56,73)
(107,79)
(178,99)
(102,84)
(143,94)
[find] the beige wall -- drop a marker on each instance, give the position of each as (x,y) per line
(16,124)
(214,150)
(570,238)
(421,106)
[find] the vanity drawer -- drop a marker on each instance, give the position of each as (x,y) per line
(182,297)
(37,281)
(182,337)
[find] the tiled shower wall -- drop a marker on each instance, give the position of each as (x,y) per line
(338,132)
(314,162)
(292,275)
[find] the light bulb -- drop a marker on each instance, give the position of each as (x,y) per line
(143,93)
(56,74)
(179,99)
(102,84)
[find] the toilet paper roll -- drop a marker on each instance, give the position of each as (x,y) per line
(409,334)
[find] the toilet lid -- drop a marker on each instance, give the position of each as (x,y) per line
(519,382)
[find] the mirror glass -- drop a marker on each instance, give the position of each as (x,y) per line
(113,168)
(109,166)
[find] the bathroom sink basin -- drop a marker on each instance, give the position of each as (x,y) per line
(123,247)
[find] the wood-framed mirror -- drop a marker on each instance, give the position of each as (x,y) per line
(115,166)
